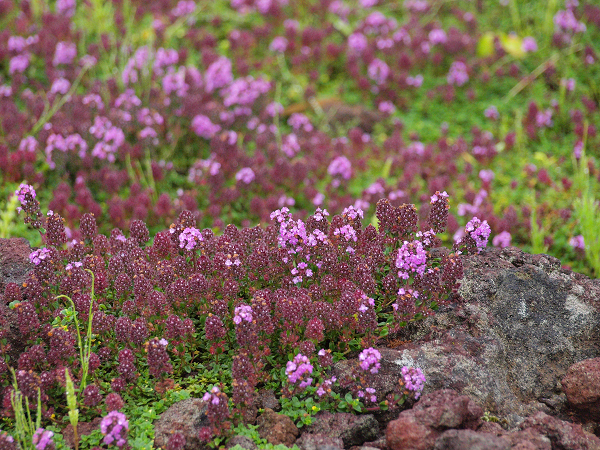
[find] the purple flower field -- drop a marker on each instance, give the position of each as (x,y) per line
(233,195)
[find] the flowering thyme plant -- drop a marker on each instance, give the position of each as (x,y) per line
(273,303)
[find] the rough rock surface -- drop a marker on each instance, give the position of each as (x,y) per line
(317,441)
(562,434)
(186,417)
(436,412)
(277,428)
(14,261)
(351,429)
(523,322)
(581,385)
(463,439)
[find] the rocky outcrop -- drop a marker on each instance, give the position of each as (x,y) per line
(522,322)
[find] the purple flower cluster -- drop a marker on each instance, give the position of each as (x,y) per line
(217,412)
(577,242)
(203,127)
(65,53)
(212,396)
(502,239)
(114,427)
(242,312)
(189,238)
(25,194)
(369,393)
(298,370)
(340,166)
(414,380)
(42,439)
(565,21)
(458,74)
(37,256)
(412,258)
(369,360)
(245,175)
(479,231)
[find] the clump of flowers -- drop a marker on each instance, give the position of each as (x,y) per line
(114,427)
(217,412)
(369,360)
(299,370)
(479,231)
(29,205)
(412,258)
(285,289)
(414,380)
(42,439)
(189,238)
(37,256)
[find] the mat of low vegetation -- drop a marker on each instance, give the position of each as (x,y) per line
(232,122)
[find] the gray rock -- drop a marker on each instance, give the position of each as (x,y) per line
(186,417)
(470,440)
(351,429)
(523,322)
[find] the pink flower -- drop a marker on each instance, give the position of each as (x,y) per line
(491,113)
(64,53)
(458,73)
(577,242)
(357,42)
(502,239)
(203,127)
(437,36)
(18,64)
(245,175)
(378,71)
(279,44)
(529,45)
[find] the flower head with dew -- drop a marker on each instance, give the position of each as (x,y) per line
(414,380)
(298,370)
(369,360)
(479,231)
(114,427)
(242,312)
(189,238)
